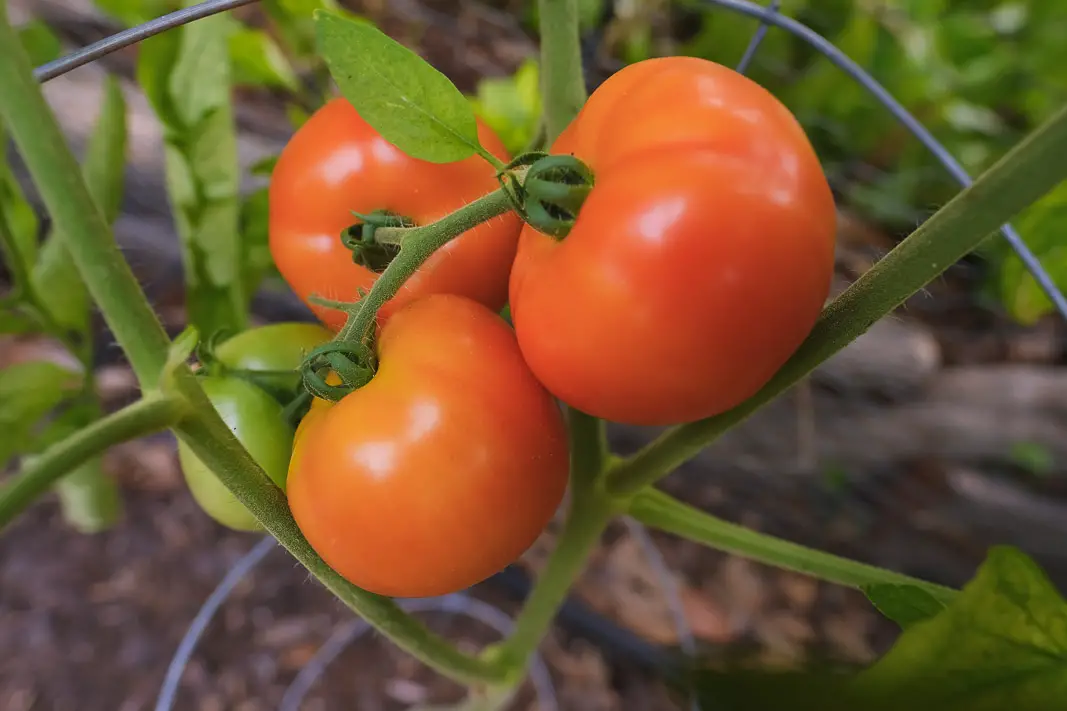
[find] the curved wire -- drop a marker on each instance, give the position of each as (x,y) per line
(117,41)
(203,617)
(770,16)
(757,39)
(669,589)
(456,603)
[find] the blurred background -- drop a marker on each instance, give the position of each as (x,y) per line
(940,432)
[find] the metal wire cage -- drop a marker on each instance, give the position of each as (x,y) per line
(769,18)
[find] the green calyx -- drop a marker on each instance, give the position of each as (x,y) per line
(365,242)
(553,191)
(354,363)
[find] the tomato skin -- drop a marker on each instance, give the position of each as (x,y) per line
(255,418)
(276,346)
(700,260)
(336,164)
(440,471)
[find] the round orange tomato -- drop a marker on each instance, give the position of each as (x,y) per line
(700,259)
(440,471)
(336,164)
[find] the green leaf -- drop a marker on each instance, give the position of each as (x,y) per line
(16,210)
(29,391)
(1001,643)
(296,114)
(14,322)
(263,167)
(258,61)
(89,498)
(40,42)
(187,80)
(1042,227)
(904,604)
(511,106)
(414,106)
(55,276)
(256,257)
(155,59)
(134,12)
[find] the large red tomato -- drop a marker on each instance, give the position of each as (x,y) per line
(440,471)
(698,263)
(336,164)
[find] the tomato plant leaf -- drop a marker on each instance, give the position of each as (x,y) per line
(17,212)
(904,604)
(133,12)
(55,276)
(256,257)
(39,41)
(186,76)
(89,499)
(258,61)
(14,322)
(511,106)
(28,391)
(414,106)
(1000,644)
(1042,226)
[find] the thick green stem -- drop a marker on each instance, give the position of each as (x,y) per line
(416,246)
(589,514)
(588,443)
(588,517)
(144,417)
(215,445)
(654,508)
(562,79)
(1022,176)
(84,230)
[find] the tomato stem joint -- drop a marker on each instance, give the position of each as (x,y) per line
(554,189)
(363,241)
(352,362)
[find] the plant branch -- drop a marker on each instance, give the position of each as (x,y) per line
(416,246)
(659,510)
(84,231)
(1028,171)
(562,79)
(152,414)
(588,444)
(587,518)
(215,445)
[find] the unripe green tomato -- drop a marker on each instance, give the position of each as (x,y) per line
(256,420)
(278,346)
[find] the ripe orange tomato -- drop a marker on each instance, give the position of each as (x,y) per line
(440,471)
(336,164)
(700,259)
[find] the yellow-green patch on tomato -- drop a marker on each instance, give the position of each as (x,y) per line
(256,420)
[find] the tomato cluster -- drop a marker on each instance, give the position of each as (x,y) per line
(697,263)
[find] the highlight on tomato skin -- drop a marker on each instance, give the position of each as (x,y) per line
(336,164)
(443,469)
(698,263)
